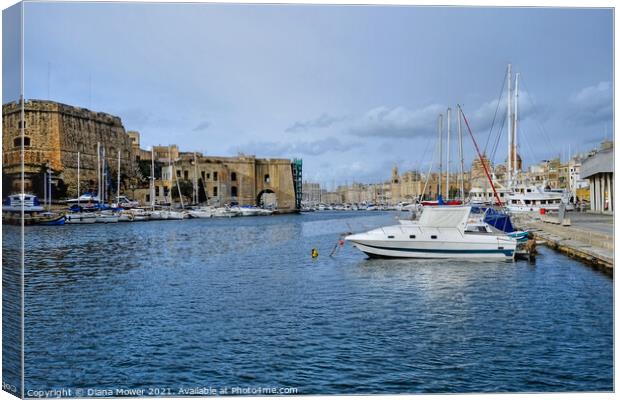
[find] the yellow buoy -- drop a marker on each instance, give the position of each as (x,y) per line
(315,252)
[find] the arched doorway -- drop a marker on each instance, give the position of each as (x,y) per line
(267,199)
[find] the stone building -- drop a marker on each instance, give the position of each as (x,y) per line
(53,135)
(243,180)
(311,193)
(478,177)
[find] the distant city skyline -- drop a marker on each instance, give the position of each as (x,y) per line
(352,90)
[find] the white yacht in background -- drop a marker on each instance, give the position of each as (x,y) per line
(441,232)
(202,212)
(175,215)
(80,217)
(106,217)
(485,196)
(225,212)
(246,211)
(525,198)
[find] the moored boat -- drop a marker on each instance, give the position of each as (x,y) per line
(441,232)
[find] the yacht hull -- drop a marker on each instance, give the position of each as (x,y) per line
(407,250)
(80,218)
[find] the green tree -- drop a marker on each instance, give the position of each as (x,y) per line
(187,190)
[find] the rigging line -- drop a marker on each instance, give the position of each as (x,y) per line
(540,127)
(532,153)
(496,144)
(428,175)
(421,161)
(486,171)
(499,98)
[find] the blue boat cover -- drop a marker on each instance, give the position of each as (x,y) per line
(499,220)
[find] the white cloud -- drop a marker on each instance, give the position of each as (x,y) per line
(592,104)
(397,122)
(291,149)
(323,121)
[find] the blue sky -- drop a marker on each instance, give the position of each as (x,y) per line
(352,90)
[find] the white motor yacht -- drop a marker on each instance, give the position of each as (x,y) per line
(225,212)
(440,232)
(533,198)
(172,214)
(106,217)
(80,218)
(203,212)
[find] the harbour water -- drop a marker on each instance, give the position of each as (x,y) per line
(241,303)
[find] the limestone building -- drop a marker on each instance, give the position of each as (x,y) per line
(53,135)
(243,180)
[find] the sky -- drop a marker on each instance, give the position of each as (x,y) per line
(352,90)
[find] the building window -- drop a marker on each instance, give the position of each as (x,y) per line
(21,124)
(215,175)
(215,191)
(233,191)
(17,142)
(186,174)
(148,198)
(156,190)
(178,173)
(202,173)
(233,176)
(208,175)
(267,179)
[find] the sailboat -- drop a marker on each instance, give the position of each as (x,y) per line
(173,214)
(105,215)
(77,214)
(516,194)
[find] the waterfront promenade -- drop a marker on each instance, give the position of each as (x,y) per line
(589,238)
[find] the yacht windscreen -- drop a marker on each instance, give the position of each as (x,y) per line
(443,217)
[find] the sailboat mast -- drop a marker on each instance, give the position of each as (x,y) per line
(439,130)
(98,171)
(171,173)
(49,191)
(462,171)
(45,187)
(178,186)
(118,179)
(515,166)
(448,112)
(78,181)
(152,179)
(103,177)
(195,179)
(509,122)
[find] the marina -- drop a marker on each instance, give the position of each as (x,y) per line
(205,199)
(156,300)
